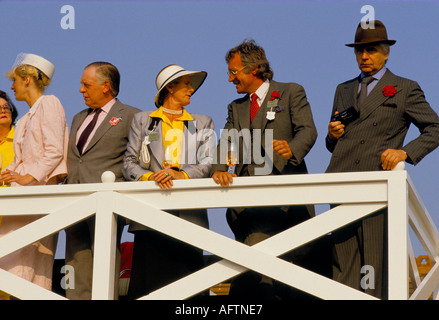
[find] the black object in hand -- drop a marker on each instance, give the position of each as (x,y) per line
(346,116)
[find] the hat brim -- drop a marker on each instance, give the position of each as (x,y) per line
(197,79)
(358,44)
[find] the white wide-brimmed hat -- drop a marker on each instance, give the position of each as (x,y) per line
(38,62)
(172,72)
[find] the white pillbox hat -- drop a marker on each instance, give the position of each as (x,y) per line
(34,60)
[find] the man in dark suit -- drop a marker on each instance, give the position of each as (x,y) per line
(381,106)
(97,143)
(280,132)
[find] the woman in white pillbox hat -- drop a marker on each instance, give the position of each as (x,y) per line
(180,146)
(40,146)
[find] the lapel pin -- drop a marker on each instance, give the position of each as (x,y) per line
(114,121)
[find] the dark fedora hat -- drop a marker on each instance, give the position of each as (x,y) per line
(375,35)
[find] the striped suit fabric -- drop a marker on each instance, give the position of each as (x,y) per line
(382,124)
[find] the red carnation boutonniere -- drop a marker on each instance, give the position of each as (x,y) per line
(114,121)
(274,95)
(389,91)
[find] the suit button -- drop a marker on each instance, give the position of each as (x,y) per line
(357,162)
(375,124)
(80,160)
(362,141)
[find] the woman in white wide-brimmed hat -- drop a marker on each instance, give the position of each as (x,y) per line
(40,146)
(165,145)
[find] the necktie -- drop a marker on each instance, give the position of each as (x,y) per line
(363,92)
(86,133)
(254,107)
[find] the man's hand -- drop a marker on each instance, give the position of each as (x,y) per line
(391,157)
(282,148)
(223,178)
(335,129)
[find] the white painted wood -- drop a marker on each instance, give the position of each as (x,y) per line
(398,237)
(277,245)
(358,194)
(425,289)
(47,225)
(104,255)
(24,289)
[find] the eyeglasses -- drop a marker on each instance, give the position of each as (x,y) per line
(233,72)
(6,108)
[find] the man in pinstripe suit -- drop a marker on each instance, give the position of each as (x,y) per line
(371,140)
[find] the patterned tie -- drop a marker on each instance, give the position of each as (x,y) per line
(86,133)
(254,107)
(363,92)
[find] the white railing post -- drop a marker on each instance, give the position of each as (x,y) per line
(104,259)
(398,261)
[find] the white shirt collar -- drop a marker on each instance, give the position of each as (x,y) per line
(262,91)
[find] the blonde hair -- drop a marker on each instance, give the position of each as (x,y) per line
(40,79)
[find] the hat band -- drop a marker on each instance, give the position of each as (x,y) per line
(161,87)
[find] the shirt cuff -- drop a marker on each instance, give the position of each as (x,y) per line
(185,175)
(146,176)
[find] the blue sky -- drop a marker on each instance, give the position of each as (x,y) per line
(304,41)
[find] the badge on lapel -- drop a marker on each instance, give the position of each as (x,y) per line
(114,121)
(273,104)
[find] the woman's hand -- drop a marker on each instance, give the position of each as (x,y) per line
(164,178)
(11,176)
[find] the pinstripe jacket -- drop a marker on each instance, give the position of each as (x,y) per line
(383,123)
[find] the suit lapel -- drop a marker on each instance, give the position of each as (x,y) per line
(376,98)
(263,109)
(349,95)
(115,112)
(156,146)
(75,127)
(244,113)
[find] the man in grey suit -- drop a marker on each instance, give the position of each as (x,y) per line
(97,143)
(370,119)
(280,132)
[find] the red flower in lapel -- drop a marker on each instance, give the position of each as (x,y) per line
(389,91)
(114,121)
(274,95)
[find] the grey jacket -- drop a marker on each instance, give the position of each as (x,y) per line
(199,143)
(106,149)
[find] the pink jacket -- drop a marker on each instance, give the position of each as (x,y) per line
(40,142)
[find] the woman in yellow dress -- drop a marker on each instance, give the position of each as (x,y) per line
(8,114)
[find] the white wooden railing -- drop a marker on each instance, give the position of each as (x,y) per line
(359,193)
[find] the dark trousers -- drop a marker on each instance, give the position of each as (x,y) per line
(253,225)
(159,260)
(79,255)
(363,244)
